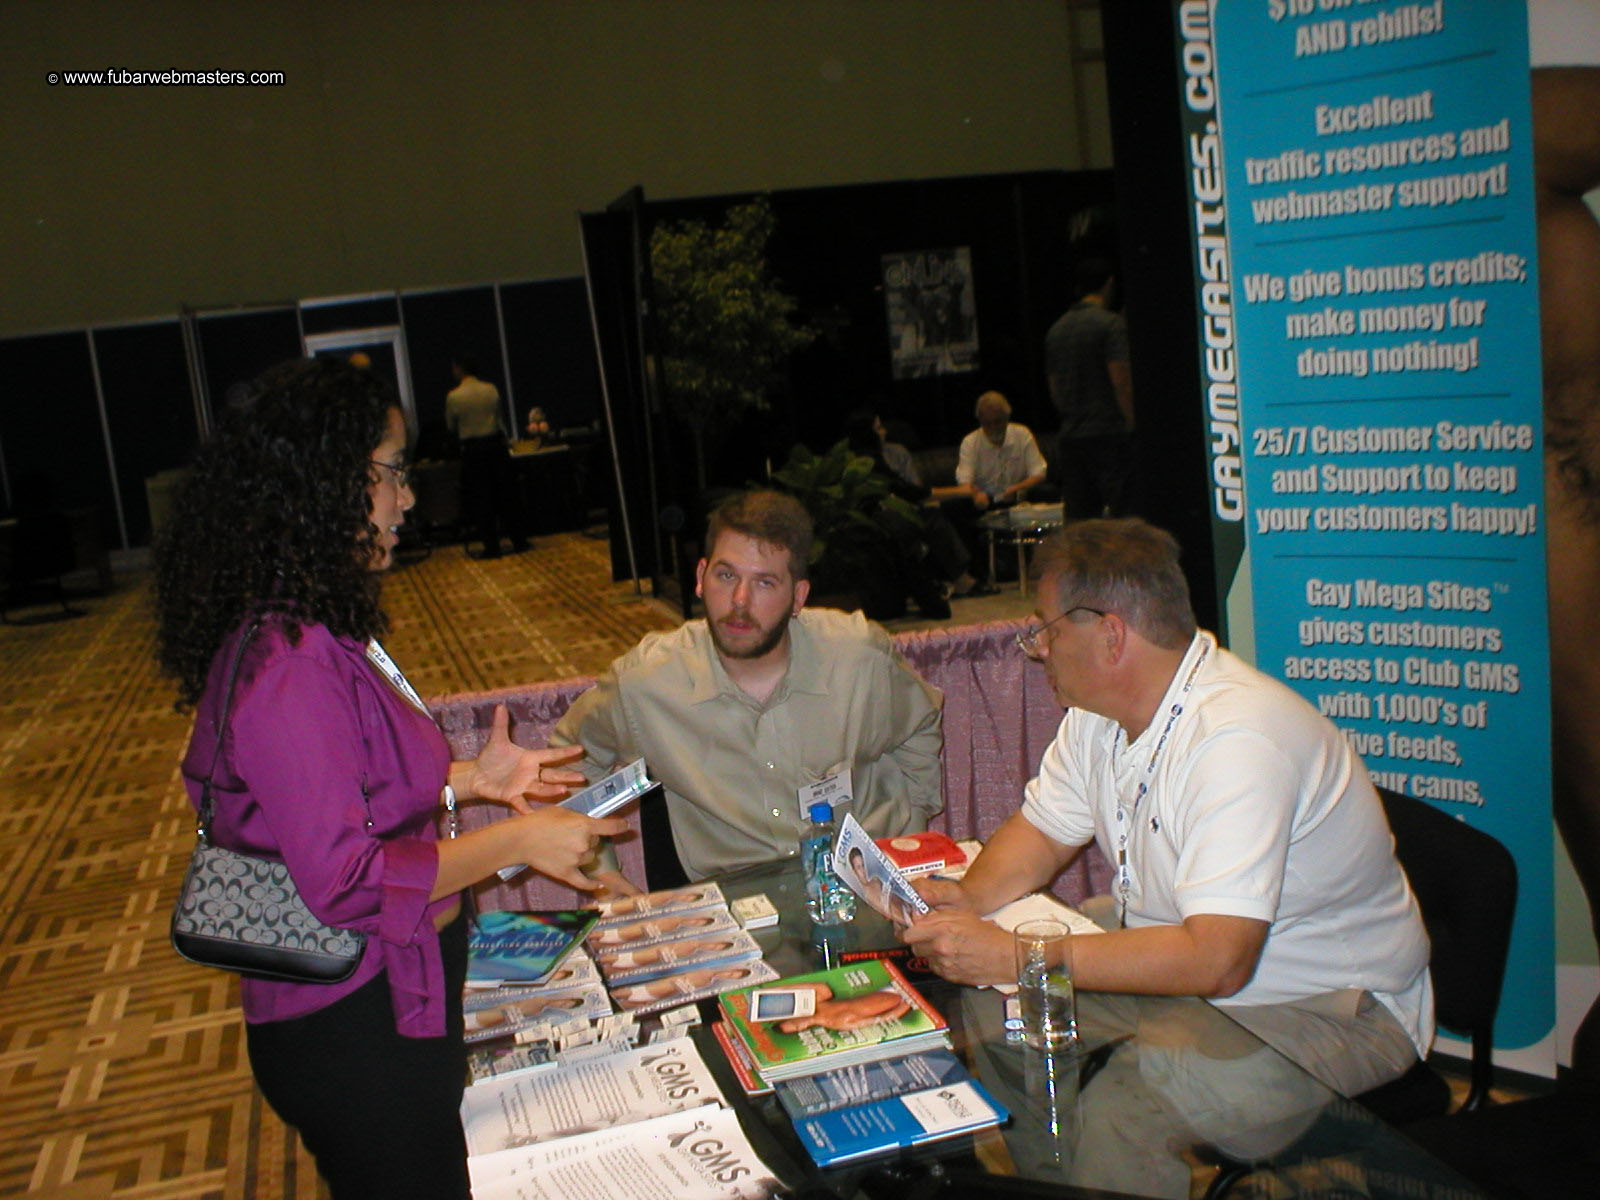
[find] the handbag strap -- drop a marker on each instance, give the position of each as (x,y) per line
(204,828)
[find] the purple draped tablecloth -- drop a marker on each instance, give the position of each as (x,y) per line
(999,715)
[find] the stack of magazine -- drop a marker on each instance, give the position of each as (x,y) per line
(859,1061)
(634,1125)
(870,1108)
(823,1020)
(669,948)
(526,970)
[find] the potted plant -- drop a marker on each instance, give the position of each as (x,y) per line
(863,530)
(726,327)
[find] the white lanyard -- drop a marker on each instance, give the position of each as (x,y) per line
(379,658)
(386,666)
(1125,817)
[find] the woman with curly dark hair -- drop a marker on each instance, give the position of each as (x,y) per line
(330,762)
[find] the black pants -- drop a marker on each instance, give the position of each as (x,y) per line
(489,495)
(380,1113)
(1096,475)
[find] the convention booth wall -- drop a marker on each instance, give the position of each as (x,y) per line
(96,417)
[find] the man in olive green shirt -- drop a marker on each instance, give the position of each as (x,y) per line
(737,714)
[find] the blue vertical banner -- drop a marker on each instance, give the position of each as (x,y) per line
(1365,265)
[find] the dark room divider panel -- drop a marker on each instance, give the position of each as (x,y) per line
(235,347)
(50,430)
(150,411)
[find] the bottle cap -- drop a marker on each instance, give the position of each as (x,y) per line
(822,812)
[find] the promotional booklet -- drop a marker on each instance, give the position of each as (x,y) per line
(599,800)
(698,1154)
(599,1093)
(911,964)
(626,909)
(522,947)
(846,1087)
(576,970)
(672,958)
(541,1006)
(828,1019)
(670,991)
(859,1131)
(663,927)
(872,875)
(611,793)
(923,853)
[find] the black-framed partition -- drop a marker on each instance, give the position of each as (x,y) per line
(94,417)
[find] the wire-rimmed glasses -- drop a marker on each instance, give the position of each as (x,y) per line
(1028,639)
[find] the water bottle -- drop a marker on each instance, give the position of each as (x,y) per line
(828,900)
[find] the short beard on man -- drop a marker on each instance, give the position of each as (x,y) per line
(762,647)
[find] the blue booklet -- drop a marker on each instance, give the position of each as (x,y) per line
(522,948)
(861,1130)
(842,1087)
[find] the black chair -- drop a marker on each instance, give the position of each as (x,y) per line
(1466,884)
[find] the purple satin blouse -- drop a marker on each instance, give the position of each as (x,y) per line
(310,724)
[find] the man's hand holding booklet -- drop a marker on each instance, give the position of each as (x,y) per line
(873,875)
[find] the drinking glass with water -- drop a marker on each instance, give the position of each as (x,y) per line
(1044,983)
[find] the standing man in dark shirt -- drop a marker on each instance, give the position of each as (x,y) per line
(489,496)
(1086,356)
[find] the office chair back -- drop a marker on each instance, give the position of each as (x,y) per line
(1466,885)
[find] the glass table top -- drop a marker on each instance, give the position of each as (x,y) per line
(1160,1095)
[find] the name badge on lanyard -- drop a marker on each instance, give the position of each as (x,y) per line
(379,658)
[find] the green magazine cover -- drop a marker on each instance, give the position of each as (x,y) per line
(807,1023)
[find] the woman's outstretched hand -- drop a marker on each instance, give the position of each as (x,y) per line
(509,774)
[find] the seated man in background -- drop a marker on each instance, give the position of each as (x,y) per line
(931,559)
(739,715)
(896,456)
(1000,460)
(1254,863)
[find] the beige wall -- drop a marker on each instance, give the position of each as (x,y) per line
(419,144)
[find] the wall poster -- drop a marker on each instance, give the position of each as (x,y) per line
(1365,266)
(933,313)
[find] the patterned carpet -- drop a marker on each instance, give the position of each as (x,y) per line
(122,1068)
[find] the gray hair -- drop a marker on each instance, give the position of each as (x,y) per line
(1126,566)
(994,402)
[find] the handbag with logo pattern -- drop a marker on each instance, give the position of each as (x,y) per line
(243,913)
